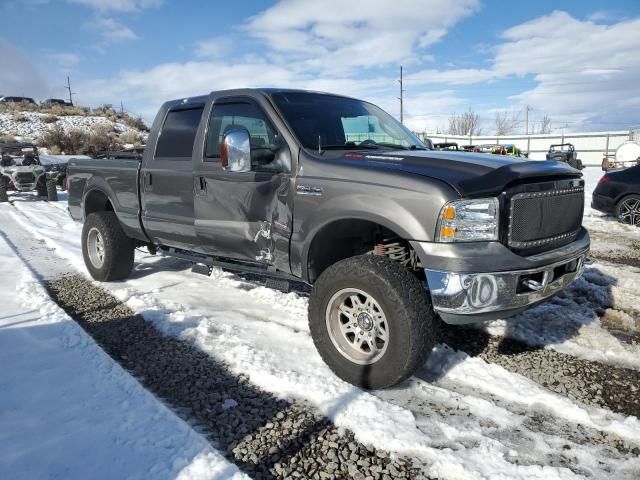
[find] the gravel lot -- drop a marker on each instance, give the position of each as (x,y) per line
(591,383)
(266,437)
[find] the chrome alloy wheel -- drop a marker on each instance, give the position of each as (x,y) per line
(629,211)
(95,247)
(357,326)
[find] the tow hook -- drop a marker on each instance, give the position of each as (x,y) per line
(531,284)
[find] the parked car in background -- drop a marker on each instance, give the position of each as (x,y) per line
(21,170)
(50,102)
(618,194)
(564,152)
(446,146)
(17,100)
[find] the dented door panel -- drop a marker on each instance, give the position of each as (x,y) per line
(245,216)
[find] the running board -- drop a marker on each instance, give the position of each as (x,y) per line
(275,279)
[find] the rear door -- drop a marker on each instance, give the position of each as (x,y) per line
(244,215)
(167,179)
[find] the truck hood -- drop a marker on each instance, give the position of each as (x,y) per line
(471,174)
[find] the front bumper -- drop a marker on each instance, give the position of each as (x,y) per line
(484,285)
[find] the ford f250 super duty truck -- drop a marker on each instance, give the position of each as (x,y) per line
(334,192)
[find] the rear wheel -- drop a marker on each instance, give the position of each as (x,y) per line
(371,321)
(3,190)
(628,210)
(52,192)
(107,251)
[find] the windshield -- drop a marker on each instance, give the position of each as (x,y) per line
(324,122)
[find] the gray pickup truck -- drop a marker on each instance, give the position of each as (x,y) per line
(332,191)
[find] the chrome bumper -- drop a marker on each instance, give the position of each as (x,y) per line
(473,297)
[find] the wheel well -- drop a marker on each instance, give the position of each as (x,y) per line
(351,237)
(96,201)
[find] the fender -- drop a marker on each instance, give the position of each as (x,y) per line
(404,212)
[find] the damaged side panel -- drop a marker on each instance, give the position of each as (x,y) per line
(245,216)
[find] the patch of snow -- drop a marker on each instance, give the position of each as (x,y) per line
(67,410)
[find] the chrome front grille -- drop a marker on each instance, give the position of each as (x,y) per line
(545,218)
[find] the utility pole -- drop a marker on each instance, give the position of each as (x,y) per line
(71,94)
(526,119)
(121,107)
(401,97)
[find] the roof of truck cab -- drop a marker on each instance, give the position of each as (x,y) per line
(244,91)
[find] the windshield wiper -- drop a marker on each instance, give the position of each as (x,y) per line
(348,147)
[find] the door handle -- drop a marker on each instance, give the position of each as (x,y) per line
(149,181)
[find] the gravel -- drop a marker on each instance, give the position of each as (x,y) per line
(266,437)
(591,383)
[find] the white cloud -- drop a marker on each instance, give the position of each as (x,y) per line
(118,5)
(112,30)
(213,47)
(334,35)
(65,59)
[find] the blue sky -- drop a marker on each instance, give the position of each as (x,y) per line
(575,61)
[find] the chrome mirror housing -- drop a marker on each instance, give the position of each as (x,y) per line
(235,151)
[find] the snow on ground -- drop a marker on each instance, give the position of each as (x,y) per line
(67,410)
(34,126)
(263,333)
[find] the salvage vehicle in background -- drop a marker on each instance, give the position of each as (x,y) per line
(21,170)
(564,152)
(627,154)
(391,236)
(618,194)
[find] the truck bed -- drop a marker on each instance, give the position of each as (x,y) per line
(117,179)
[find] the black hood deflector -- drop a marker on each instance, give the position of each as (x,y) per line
(471,174)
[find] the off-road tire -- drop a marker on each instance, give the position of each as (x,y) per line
(118,248)
(406,305)
(41,187)
(3,190)
(52,191)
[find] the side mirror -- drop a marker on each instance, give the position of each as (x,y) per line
(235,151)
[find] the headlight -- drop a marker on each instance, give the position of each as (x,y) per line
(469,221)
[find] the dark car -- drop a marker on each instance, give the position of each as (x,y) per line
(50,102)
(618,194)
(17,100)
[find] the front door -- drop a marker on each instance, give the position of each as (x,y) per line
(244,215)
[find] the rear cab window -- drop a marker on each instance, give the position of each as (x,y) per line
(178,133)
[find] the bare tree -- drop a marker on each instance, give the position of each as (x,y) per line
(467,123)
(545,124)
(506,122)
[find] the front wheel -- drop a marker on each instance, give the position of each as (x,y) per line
(371,321)
(628,210)
(107,251)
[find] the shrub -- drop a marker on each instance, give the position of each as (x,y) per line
(72,142)
(132,138)
(136,123)
(50,119)
(8,138)
(20,117)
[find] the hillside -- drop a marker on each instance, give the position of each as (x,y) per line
(71,130)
